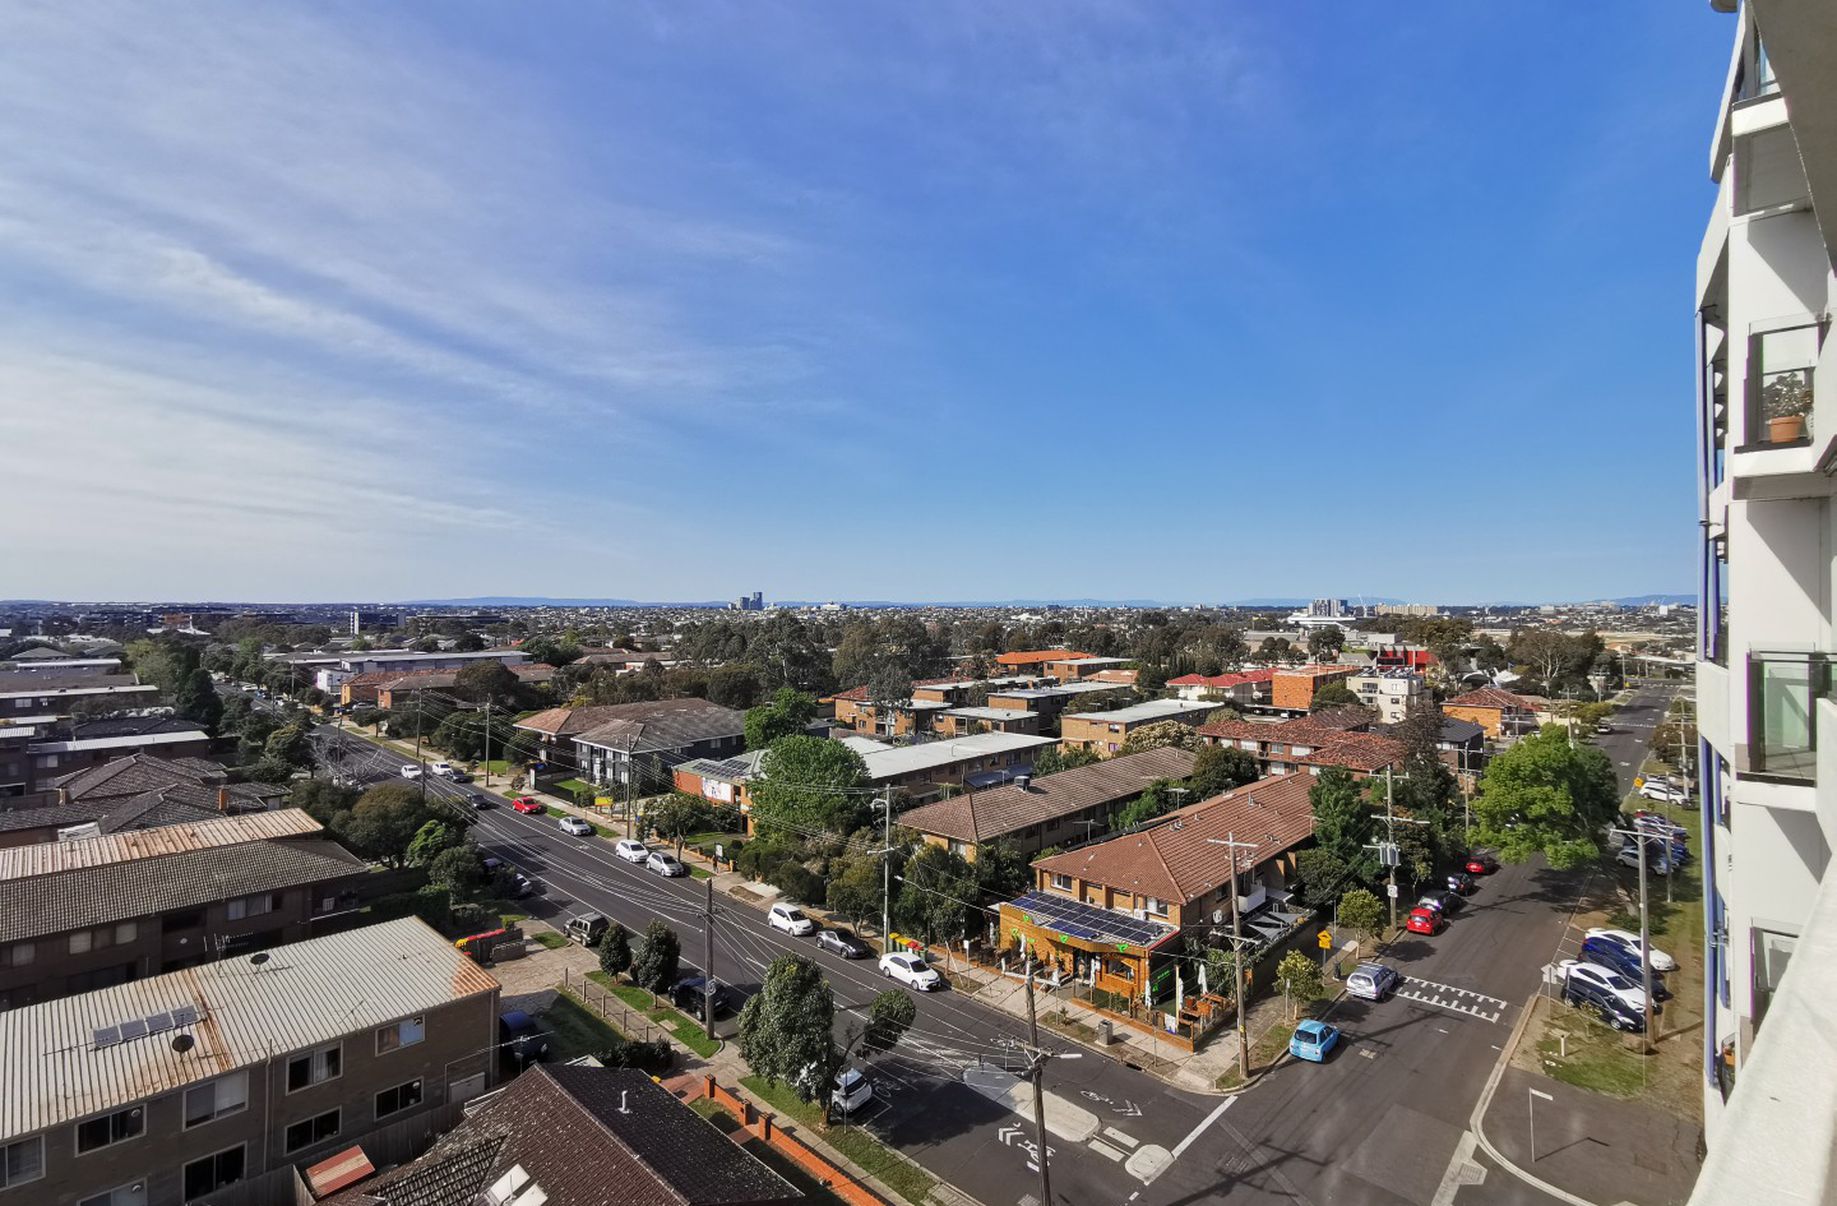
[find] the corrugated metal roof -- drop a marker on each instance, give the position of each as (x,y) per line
(49,858)
(302,995)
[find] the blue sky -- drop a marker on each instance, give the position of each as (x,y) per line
(921,301)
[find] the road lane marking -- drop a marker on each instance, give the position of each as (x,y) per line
(1105,1150)
(1112,1133)
(1205,1122)
(1455,1000)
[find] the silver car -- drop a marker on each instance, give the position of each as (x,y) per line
(1372,982)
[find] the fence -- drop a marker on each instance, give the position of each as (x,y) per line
(632,1023)
(763,1125)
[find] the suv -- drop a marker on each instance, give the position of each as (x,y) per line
(1372,982)
(521,1038)
(852,1091)
(440,770)
(1608,1006)
(686,994)
(1605,952)
(588,928)
(1443,902)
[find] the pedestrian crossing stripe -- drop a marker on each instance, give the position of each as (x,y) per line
(1455,1000)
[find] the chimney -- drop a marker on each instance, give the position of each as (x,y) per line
(223,799)
(63,796)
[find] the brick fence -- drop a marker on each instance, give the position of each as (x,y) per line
(761,1124)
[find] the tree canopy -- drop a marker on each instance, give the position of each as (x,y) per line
(1544,795)
(810,784)
(1162,734)
(658,957)
(786,1027)
(1219,768)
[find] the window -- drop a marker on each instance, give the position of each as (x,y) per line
(315,1067)
(223,1096)
(21,954)
(126,932)
(80,942)
(405,1033)
(190,919)
(1062,882)
(110,1129)
(312,1131)
(121,1195)
(1157,908)
(394,1101)
(253,906)
(213,1172)
(22,1161)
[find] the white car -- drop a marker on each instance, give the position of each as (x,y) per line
(411,770)
(440,770)
(664,863)
(632,850)
(1604,979)
(911,971)
(790,919)
(852,1091)
(576,826)
(1655,789)
(1629,941)
(1656,864)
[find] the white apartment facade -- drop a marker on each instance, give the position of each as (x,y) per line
(1389,693)
(1766,383)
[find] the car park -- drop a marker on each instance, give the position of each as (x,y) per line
(411,770)
(911,971)
(1425,921)
(576,826)
(1603,953)
(843,943)
(588,928)
(688,990)
(1630,941)
(1372,982)
(632,850)
(1313,1039)
(528,804)
(1462,882)
(851,1091)
(789,918)
(521,1038)
(1592,976)
(1481,862)
(664,863)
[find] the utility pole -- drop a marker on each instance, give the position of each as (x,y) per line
(885,804)
(1231,843)
(418,760)
(1390,856)
(487,743)
(1645,932)
(708,962)
(1036,1072)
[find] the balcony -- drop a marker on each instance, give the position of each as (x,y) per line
(1781,366)
(1783,690)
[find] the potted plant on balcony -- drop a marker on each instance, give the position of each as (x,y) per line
(1785,406)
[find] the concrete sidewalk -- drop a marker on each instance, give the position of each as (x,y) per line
(1597,1148)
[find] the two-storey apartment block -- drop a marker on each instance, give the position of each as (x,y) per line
(1050,701)
(1240,689)
(1389,693)
(85,914)
(962,722)
(1292,688)
(1309,744)
(162,1091)
(1500,713)
(1107,732)
(135,792)
(640,742)
(73,745)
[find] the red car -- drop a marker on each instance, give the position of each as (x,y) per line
(1425,921)
(1481,863)
(527,804)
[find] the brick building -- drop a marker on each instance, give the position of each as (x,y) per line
(1292,688)
(1106,732)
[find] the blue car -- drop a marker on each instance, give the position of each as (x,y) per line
(1312,1040)
(1609,954)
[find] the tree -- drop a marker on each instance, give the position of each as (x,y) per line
(462,735)
(459,869)
(938,894)
(486,681)
(1162,734)
(291,744)
(1051,759)
(1219,768)
(678,815)
(659,954)
(321,799)
(854,889)
(1322,875)
(810,784)
(385,819)
(1545,795)
(1002,871)
(888,690)
(784,715)
(1342,823)
(1299,977)
(468,642)
(1335,694)
(615,950)
(888,1019)
(430,841)
(1361,911)
(1155,799)
(733,686)
(1325,642)
(786,1028)
(195,698)
(1273,649)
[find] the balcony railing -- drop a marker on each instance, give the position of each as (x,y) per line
(1782,719)
(1780,385)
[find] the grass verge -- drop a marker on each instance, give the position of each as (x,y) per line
(574,1029)
(1579,1051)
(550,939)
(861,1149)
(684,1030)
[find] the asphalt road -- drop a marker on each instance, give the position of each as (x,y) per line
(1378,1123)
(1633,724)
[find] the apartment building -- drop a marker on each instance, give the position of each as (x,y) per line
(1243,689)
(66,746)
(1389,693)
(639,742)
(86,914)
(1766,385)
(1292,688)
(1107,732)
(162,1091)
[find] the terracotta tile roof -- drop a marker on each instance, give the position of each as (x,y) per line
(1036,657)
(1492,697)
(1327,725)
(859,694)
(1125,677)
(984,815)
(1366,752)
(664,724)
(1172,859)
(1221,682)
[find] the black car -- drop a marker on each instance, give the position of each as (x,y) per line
(1444,902)
(1460,881)
(1609,1008)
(521,1038)
(687,995)
(844,943)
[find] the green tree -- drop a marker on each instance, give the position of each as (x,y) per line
(1322,875)
(459,869)
(659,955)
(937,896)
(1155,800)
(385,819)
(462,735)
(321,799)
(1162,734)
(292,744)
(615,950)
(1002,871)
(1332,695)
(1544,795)
(1361,911)
(1051,759)
(486,681)
(468,642)
(1299,977)
(1219,768)
(889,1017)
(786,1028)
(430,841)
(784,715)
(1325,643)
(1342,822)
(810,784)
(195,698)
(854,890)
(678,815)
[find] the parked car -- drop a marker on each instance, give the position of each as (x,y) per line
(1662,825)
(1425,921)
(1658,789)
(1372,982)
(851,1091)
(576,826)
(1656,864)
(522,1038)
(1605,1004)
(688,990)
(521,885)
(1604,953)
(441,770)
(1602,980)
(664,863)
(528,804)
(1626,938)
(480,802)
(1462,882)
(790,919)
(911,971)
(588,928)
(843,943)
(1312,1040)
(1444,902)
(632,850)
(1481,862)
(411,770)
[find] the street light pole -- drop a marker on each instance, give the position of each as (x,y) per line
(1645,932)
(1231,843)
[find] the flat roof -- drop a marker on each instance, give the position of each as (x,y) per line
(892,761)
(991,713)
(131,741)
(71,1058)
(1154,709)
(51,692)
(1071,688)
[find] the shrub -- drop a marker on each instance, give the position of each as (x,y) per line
(798,882)
(472,918)
(621,1052)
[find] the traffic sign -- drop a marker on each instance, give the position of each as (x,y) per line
(1326,940)
(1639,780)
(1393,890)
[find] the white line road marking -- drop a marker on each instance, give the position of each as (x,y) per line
(1105,1150)
(1455,1000)
(1121,1138)
(1205,1122)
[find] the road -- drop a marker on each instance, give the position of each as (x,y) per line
(1633,723)
(1380,1122)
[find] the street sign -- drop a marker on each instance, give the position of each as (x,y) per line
(1639,780)
(1326,940)
(1392,890)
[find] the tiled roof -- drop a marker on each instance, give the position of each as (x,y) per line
(859,694)
(1220,682)
(133,726)
(1491,697)
(1036,657)
(135,774)
(983,815)
(1357,751)
(433,680)
(587,1137)
(1321,726)
(570,722)
(1173,860)
(665,724)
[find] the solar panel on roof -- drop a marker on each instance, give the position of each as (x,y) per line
(159,1023)
(133,1028)
(185,1015)
(107,1036)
